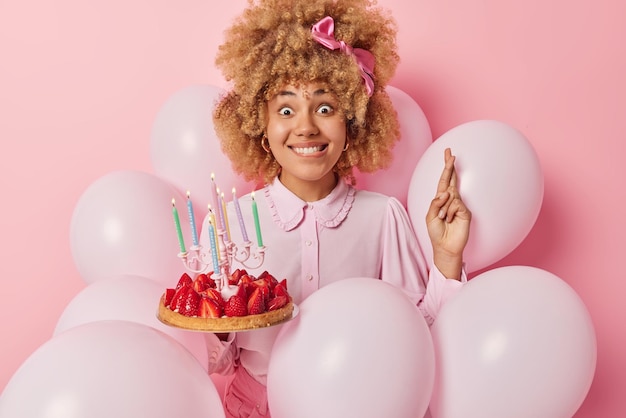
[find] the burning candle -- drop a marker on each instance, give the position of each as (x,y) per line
(192,219)
(179,232)
(225,216)
(257,225)
(213,241)
(242,226)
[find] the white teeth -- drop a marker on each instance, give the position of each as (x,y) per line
(308,150)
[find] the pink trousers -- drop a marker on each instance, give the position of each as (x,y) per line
(245,397)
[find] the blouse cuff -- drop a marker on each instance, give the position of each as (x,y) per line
(439,290)
(222,354)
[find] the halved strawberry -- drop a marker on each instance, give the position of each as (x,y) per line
(209,309)
(277,303)
(169,294)
(280,290)
(184,281)
(178,298)
(190,303)
(236,275)
(264,286)
(245,278)
(256,302)
(245,290)
(203,282)
(199,286)
(215,295)
(260,283)
(242,292)
(236,306)
(271,280)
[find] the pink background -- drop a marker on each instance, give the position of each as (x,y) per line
(81,82)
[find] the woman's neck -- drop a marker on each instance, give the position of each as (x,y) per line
(309,191)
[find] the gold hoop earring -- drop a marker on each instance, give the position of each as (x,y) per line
(346,146)
(265,144)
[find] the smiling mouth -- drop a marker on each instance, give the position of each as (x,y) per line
(309,150)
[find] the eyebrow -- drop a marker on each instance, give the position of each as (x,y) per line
(317,92)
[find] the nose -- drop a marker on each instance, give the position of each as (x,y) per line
(306,125)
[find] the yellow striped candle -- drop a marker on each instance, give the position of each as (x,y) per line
(225,217)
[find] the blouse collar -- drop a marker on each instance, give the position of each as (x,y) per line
(287,209)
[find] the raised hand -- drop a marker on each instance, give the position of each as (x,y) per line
(448,221)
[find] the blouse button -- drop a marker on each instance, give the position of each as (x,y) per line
(308,243)
(309,277)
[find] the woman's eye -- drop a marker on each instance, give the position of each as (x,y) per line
(285,111)
(325,109)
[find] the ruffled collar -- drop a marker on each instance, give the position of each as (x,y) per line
(287,209)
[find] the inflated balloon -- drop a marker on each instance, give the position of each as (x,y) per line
(500,181)
(123,225)
(515,342)
(415,138)
(358,348)
(185,150)
(128,298)
(110,369)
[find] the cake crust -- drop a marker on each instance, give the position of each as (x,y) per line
(224,324)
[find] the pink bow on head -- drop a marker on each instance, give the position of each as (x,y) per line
(323,33)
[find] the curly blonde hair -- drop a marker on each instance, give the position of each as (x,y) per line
(270,46)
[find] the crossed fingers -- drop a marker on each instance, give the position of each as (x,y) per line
(447,186)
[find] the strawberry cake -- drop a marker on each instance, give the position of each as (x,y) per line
(245,302)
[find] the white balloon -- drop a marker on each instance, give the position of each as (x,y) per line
(500,181)
(123,225)
(185,150)
(515,342)
(128,298)
(111,369)
(415,138)
(358,348)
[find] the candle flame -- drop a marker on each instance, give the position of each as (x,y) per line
(233,191)
(173,202)
(212,176)
(188,194)
(252,195)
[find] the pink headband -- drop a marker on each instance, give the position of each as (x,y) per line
(323,33)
